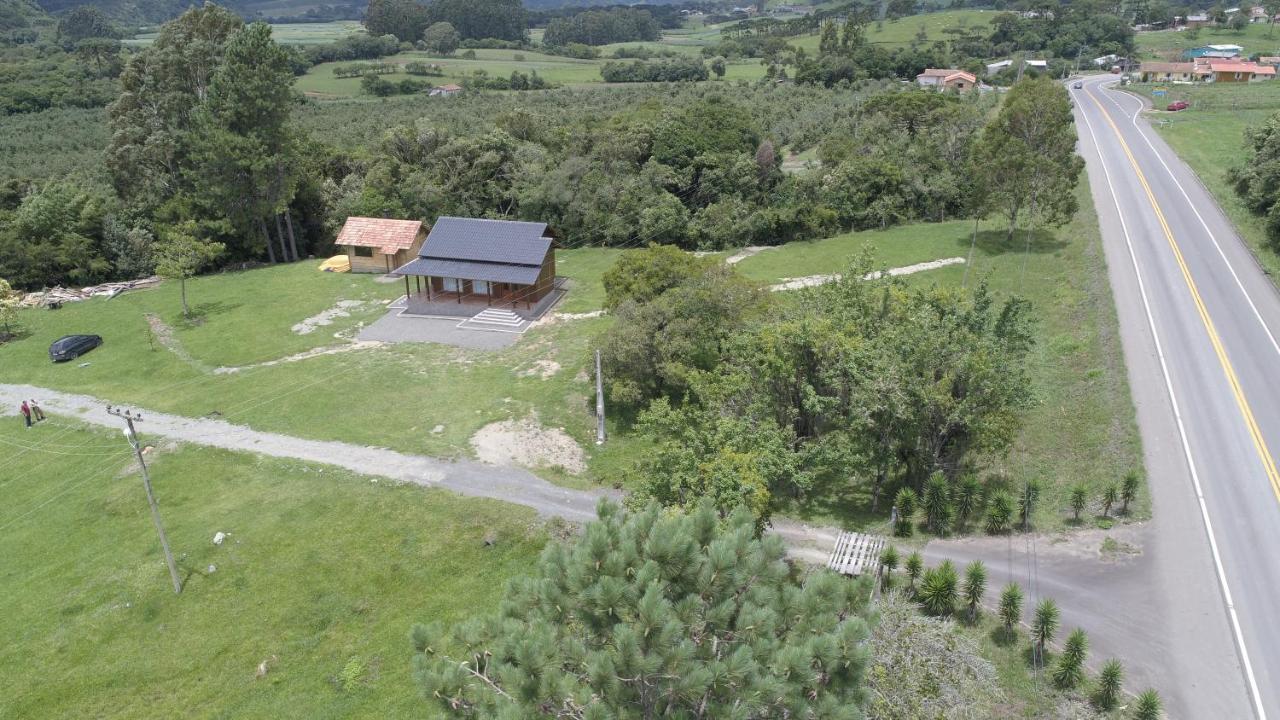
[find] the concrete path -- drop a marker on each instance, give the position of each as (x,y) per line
(510,484)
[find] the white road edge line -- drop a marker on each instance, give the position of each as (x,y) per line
(1182,433)
(1205,225)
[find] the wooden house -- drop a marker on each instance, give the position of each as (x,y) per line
(378,245)
(493,263)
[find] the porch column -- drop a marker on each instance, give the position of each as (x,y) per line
(407,295)
(429,298)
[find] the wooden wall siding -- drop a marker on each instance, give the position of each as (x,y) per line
(546,278)
(381,263)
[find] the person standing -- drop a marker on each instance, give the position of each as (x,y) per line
(26,414)
(36,411)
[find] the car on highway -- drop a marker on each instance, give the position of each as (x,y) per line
(1178,105)
(1078,85)
(70,347)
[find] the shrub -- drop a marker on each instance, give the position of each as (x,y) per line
(999,513)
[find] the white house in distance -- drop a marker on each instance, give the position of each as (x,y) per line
(946,79)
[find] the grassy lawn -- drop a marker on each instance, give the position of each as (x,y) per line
(904,31)
(322,571)
(1257,38)
(1209,136)
(1081,430)
(287,33)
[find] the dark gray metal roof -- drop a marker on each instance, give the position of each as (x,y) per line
(493,272)
(500,241)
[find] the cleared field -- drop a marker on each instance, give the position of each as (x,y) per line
(320,578)
(1209,136)
(321,81)
(905,31)
(288,33)
(1259,38)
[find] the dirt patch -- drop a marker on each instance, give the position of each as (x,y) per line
(526,443)
(745,253)
(813,280)
(341,309)
(306,355)
(541,368)
(163,334)
(553,318)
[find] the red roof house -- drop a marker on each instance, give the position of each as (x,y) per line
(380,245)
(946,79)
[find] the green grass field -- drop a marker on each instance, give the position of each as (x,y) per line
(1258,38)
(1209,136)
(320,80)
(287,33)
(323,572)
(904,31)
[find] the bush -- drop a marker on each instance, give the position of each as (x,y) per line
(999,513)
(938,589)
(674,70)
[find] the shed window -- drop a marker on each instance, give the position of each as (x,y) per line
(480,287)
(363,251)
(451,284)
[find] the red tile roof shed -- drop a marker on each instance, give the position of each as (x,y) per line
(388,236)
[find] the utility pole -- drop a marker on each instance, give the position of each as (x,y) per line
(132,435)
(599,402)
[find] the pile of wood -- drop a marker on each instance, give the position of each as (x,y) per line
(59,295)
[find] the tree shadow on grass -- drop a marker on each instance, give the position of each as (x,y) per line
(997,242)
(202,312)
(16,334)
(1003,637)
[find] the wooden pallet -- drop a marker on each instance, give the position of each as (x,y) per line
(856,553)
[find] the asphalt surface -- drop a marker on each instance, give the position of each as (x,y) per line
(1198,320)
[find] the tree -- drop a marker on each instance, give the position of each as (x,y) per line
(1069,671)
(938,589)
(87,21)
(1044,625)
(975,585)
(999,512)
(1148,707)
(479,19)
(1110,681)
(642,274)
(889,561)
(1129,490)
(717,67)
(102,53)
(1027,502)
(905,502)
(1025,160)
(937,503)
(1109,494)
(915,565)
(1238,22)
(8,306)
(405,19)
(1011,606)
(651,614)
(1079,499)
(180,255)
(441,38)
(968,495)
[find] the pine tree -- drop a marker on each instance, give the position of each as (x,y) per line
(967,497)
(1110,681)
(1129,490)
(937,503)
(1069,671)
(1148,707)
(905,502)
(975,585)
(656,614)
(889,561)
(915,564)
(1044,625)
(1011,606)
(1109,494)
(1079,499)
(938,589)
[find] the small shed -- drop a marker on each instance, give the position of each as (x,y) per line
(444,90)
(946,79)
(380,245)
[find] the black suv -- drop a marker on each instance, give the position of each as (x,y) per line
(72,346)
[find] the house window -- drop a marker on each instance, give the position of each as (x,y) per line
(363,251)
(480,287)
(451,284)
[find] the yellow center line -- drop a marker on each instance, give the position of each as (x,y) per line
(1255,432)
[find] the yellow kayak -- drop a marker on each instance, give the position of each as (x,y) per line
(337,263)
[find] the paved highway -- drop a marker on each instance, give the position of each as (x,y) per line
(1199,323)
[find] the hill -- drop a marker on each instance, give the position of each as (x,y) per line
(17,14)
